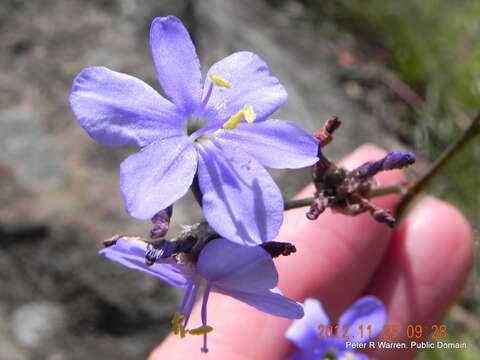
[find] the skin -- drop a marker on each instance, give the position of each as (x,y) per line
(417,271)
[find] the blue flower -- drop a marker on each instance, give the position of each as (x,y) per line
(218,130)
(246,273)
(367,311)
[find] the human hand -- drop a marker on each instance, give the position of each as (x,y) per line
(417,270)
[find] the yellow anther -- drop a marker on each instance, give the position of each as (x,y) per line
(183,332)
(246,113)
(202,330)
(249,114)
(177,327)
(232,123)
(350,356)
(219,81)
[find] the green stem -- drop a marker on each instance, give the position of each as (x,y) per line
(415,188)
(412,190)
(293,204)
(394,189)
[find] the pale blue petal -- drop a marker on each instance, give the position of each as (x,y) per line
(305,355)
(157,176)
(176,61)
(131,254)
(350,355)
(304,332)
(241,202)
(367,311)
(116,108)
(237,267)
(251,83)
(274,143)
(266,301)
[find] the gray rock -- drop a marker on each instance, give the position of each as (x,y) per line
(26,146)
(298,58)
(32,324)
(9,352)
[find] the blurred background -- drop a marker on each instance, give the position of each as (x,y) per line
(400,74)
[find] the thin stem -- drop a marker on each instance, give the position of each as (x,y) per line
(410,191)
(414,189)
(394,189)
(293,204)
(204,317)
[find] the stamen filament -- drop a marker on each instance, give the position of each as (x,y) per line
(204,349)
(193,297)
(207,97)
(185,298)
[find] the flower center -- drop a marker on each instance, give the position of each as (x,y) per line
(194,124)
(198,129)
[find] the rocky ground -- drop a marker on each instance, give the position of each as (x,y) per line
(59,190)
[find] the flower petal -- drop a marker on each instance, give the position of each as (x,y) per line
(240,200)
(176,61)
(304,355)
(157,176)
(267,301)
(131,253)
(304,332)
(237,267)
(116,108)
(365,311)
(274,143)
(251,83)
(350,355)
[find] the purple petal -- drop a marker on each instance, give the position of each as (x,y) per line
(251,83)
(241,201)
(304,332)
(157,176)
(116,108)
(304,355)
(266,301)
(237,267)
(350,355)
(176,61)
(274,143)
(367,311)
(131,254)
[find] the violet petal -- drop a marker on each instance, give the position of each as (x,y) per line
(274,143)
(241,202)
(251,83)
(304,332)
(157,176)
(305,355)
(350,355)
(266,301)
(237,267)
(365,311)
(176,62)
(131,254)
(116,108)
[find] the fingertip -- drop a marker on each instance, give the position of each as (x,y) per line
(425,268)
(437,228)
